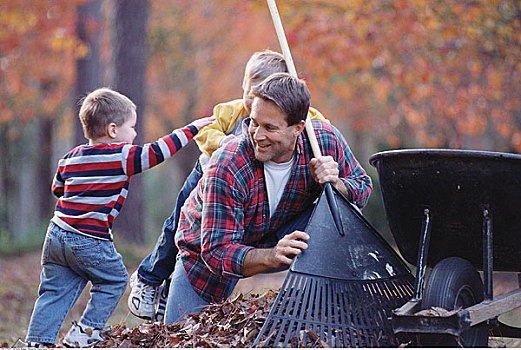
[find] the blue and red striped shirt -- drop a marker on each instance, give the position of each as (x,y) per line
(228,213)
(92,181)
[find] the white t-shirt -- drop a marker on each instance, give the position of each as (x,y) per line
(276,175)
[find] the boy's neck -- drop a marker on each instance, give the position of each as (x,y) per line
(100,140)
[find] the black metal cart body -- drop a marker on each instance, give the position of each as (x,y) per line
(454,204)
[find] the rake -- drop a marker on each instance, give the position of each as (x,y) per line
(340,292)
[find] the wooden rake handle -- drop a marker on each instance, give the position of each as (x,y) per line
(309,127)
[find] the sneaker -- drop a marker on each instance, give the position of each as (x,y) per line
(81,335)
(142,298)
(161,302)
(38,345)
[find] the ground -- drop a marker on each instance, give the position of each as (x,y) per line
(19,289)
(19,284)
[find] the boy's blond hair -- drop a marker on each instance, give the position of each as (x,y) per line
(262,64)
(102,107)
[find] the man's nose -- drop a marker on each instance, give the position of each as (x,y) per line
(258,133)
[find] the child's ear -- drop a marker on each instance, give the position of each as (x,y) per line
(112,130)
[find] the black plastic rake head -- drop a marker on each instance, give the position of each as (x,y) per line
(341,291)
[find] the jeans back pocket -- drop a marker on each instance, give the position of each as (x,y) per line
(86,251)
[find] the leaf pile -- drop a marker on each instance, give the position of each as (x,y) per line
(233,323)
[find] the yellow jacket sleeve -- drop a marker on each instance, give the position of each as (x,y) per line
(316,115)
(226,116)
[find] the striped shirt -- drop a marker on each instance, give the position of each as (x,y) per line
(92,181)
(228,213)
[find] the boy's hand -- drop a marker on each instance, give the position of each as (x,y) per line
(202,122)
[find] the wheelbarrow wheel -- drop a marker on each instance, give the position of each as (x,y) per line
(454,283)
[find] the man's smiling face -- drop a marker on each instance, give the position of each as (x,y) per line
(270,134)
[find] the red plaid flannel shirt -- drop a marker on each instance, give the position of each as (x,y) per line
(230,203)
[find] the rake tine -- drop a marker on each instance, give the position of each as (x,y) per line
(388,307)
(373,310)
(330,324)
(305,301)
(271,316)
(363,317)
(313,294)
(387,292)
(345,299)
(377,310)
(339,327)
(294,318)
(318,308)
(343,320)
(288,309)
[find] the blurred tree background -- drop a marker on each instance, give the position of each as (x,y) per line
(388,73)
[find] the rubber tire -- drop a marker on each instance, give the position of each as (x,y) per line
(453,283)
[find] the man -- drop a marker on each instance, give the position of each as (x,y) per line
(247,213)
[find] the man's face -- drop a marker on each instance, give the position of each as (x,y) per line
(270,134)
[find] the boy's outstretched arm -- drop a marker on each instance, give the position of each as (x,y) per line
(137,158)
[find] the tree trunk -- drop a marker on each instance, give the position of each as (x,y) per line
(129,68)
(6,184)
(45,169)
(88,68)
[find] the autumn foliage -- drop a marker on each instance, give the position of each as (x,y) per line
(388,73)
(428,74)
(416,73)
(37,60)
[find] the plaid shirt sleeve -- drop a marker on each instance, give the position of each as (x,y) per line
(358,183)
(222,226)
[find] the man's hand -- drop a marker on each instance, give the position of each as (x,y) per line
(325,169)
(287,248)
(261,260)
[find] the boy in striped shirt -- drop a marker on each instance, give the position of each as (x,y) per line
(91,184)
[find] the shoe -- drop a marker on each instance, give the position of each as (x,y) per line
(38,345)
(142,298)
(81,335)
(161,301)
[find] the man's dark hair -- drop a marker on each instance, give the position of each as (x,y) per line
(290,94)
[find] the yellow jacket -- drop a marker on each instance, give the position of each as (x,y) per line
(227,115)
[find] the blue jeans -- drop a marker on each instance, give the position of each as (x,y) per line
(159,264)
(69,261)
(182,298)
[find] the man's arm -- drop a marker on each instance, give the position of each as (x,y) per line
(260,260)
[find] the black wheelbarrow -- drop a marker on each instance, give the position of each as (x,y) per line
(456,211)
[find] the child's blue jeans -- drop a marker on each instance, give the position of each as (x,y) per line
(159,264)
(69,261)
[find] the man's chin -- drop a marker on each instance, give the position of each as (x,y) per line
(261,157)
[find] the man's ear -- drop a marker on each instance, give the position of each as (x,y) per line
(299,127)
(112,130)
